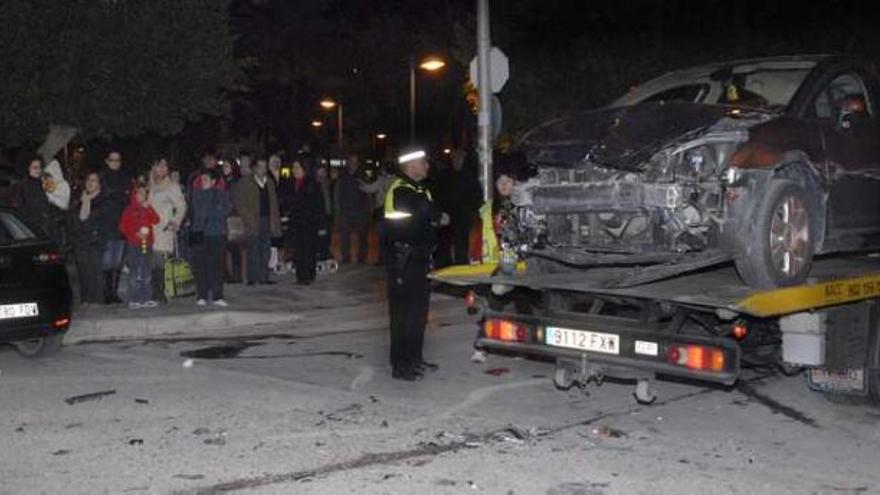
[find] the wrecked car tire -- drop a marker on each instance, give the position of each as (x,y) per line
(779,250)
(39,347)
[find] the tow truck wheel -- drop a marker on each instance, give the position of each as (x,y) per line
(779,252)
(563,378)
(39,347)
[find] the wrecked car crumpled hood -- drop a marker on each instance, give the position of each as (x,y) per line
(624,138)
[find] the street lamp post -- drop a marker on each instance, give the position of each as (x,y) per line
(329,104)
(430,64)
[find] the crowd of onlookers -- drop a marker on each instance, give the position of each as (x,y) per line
(230,219)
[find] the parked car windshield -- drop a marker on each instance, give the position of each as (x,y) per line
(13,230)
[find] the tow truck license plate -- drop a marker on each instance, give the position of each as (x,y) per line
(26,310)
(584,340)
(848,380)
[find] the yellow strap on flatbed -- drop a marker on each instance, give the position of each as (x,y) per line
(471,271)
(801,298)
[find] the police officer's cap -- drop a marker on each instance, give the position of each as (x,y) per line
(411,154)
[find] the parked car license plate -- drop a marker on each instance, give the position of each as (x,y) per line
(848,380)
(585,340)
(25,310)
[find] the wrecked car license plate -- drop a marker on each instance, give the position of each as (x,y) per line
(849,380)
(582,339)
(26,310)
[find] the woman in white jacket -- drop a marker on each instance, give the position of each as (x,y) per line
(167,199)
(56,187)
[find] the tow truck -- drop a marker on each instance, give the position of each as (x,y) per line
(705,325)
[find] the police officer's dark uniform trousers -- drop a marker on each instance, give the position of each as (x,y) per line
(411,220)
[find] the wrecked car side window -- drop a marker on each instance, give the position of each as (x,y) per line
(845,94)
(691,93)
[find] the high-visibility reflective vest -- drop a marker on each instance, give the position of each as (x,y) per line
(489,248)
(390,212)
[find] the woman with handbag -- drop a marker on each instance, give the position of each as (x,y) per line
(210,207)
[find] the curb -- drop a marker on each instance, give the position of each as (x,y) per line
(134,327)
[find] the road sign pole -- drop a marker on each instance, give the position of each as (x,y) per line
(484,116)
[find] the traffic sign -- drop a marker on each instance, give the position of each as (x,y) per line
(499,69)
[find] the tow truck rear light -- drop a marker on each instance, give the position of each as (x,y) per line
(740,331)
(696,357)
(470,299)
(47,258)
(61,323)
(505,330)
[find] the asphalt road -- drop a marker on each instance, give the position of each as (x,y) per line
(312,409)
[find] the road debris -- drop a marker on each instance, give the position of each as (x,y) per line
(142,401)
(191,477)
(215,441)
(76,399)
(201,431)
(497,371)
(136,441)
(608,432)
(60,452)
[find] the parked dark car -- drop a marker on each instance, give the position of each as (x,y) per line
(763,162)
(35,295)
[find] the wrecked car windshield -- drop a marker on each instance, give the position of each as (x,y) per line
(759,89)
(765,86)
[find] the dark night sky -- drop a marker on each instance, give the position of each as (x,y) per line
(565,54)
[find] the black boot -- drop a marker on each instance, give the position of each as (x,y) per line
(111,287)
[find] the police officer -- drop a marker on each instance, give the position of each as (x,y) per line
(411,219)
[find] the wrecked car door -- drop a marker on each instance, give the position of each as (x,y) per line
(846,111)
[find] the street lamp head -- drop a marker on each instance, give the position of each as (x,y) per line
(317,123)
(328,103)
(447,151)
(381,135)
(432,64)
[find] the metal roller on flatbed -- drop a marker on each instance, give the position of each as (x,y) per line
(705,325)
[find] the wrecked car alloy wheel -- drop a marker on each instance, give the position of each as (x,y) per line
(790,236)
(779,251)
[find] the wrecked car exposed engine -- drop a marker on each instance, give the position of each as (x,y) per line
(755,165)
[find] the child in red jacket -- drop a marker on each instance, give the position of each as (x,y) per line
(136,225)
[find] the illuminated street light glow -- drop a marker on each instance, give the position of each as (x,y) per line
(432,64)
(447,151)
(381,135)
(328,103)
(317,123)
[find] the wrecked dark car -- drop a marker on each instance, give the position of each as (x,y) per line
(764,162)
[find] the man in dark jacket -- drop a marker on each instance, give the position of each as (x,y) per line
(210,206)
(257,204)
(353,210)
(116,188)
(464,200)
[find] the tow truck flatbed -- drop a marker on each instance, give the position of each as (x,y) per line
(700,325)
(833,281)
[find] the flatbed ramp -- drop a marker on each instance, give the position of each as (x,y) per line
(833,281)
